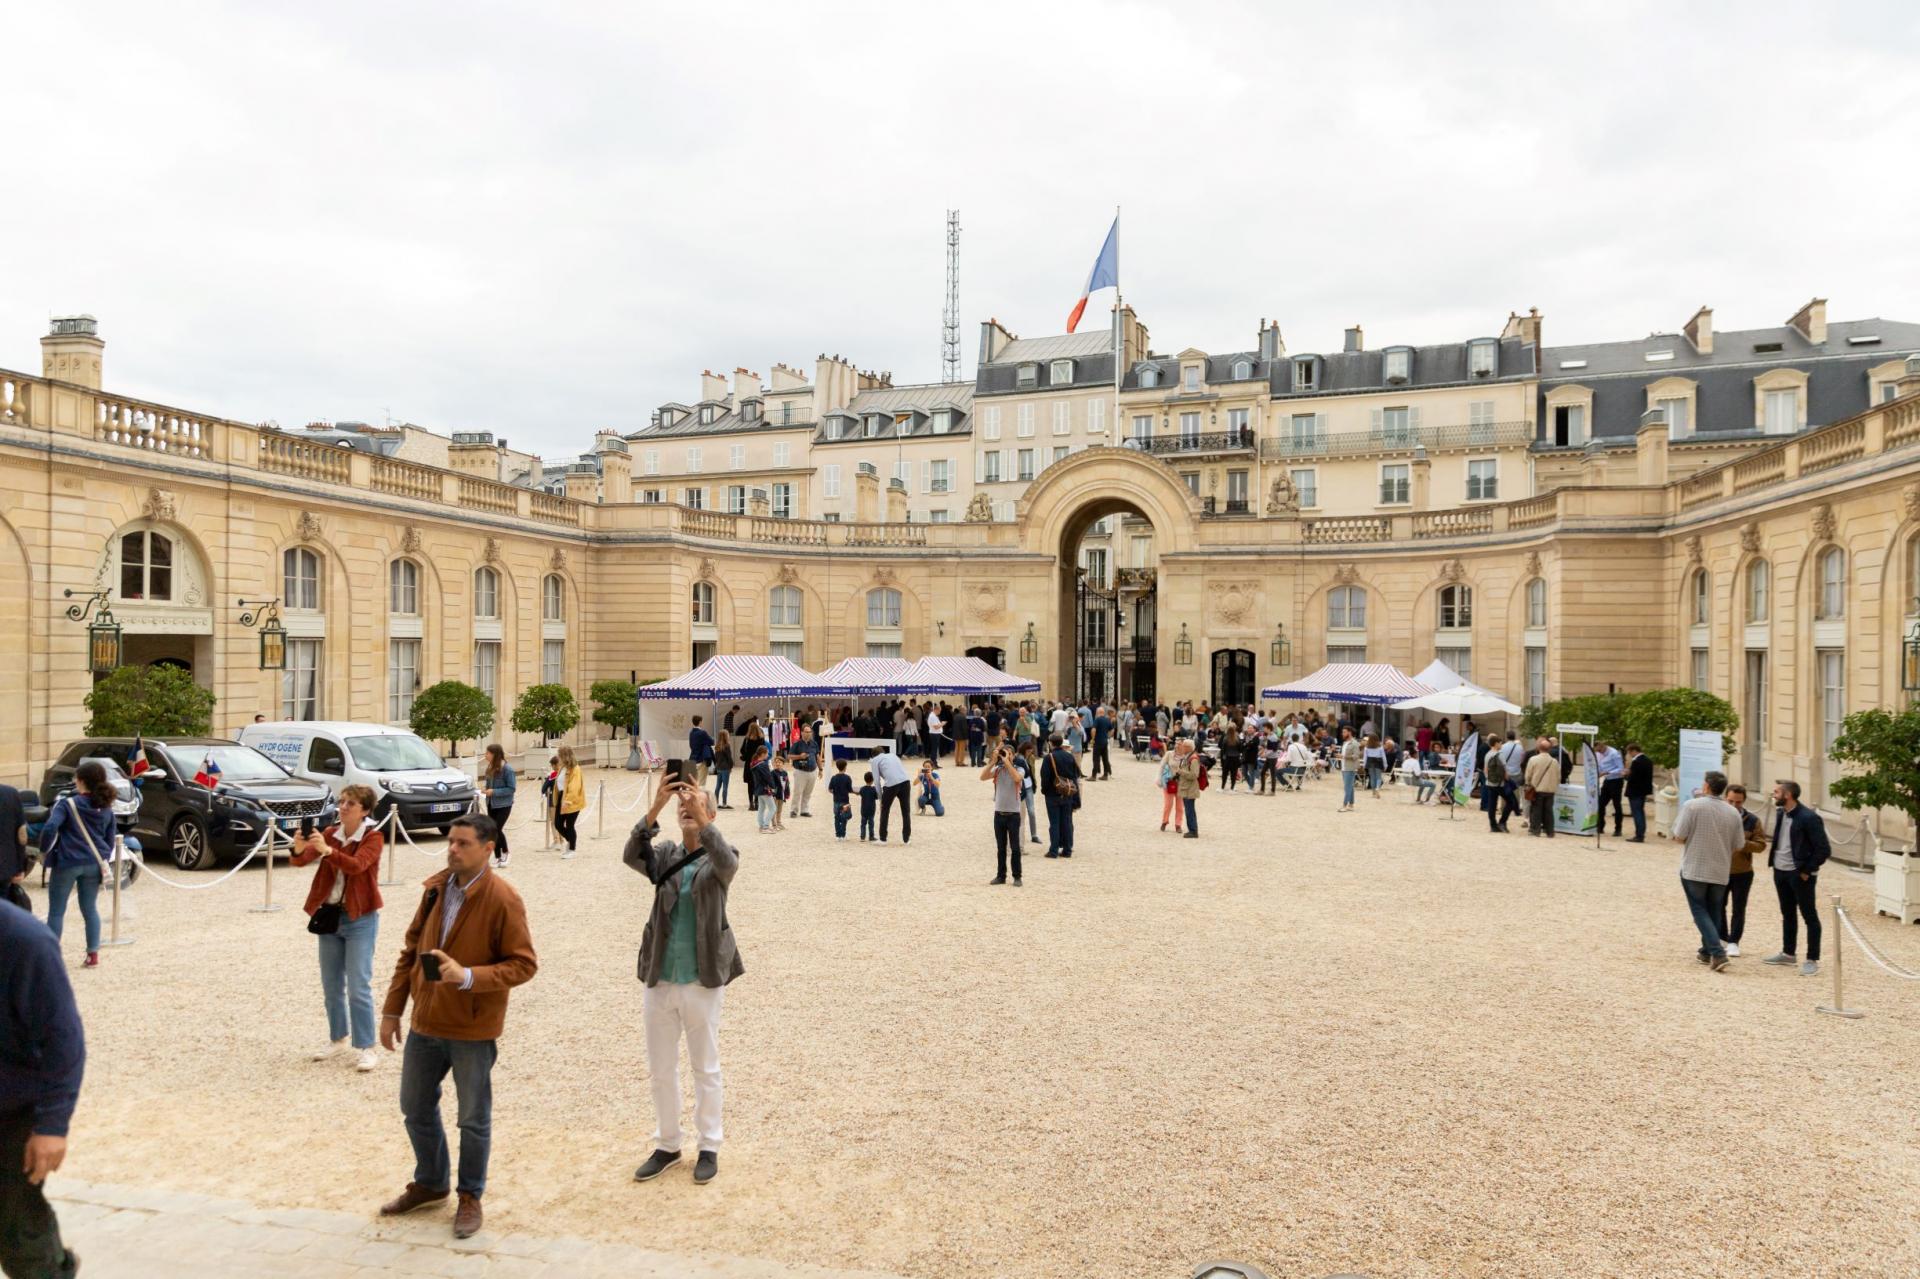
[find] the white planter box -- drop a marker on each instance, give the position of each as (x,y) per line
(1666,810)
(1896,885)
(533,763)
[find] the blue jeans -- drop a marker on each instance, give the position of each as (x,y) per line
(1033,822)
(769,807)
(722,783)
(1193,817)
(1060,824)
(1346,777)
(1706,901)
(424,1065)
(931,797)
(346,978)
(61,881)
(841,812)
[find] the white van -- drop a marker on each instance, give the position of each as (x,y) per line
(403,771)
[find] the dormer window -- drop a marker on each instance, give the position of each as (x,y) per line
(903,425)
(833,428)
(1306,374)
(1029,375)
(666,418)
(942,421)
(1190,379)
(1242,370)
(706,415)
(1060,373)
(1483,358)
(873,426)
(1399,364)
(749,411)
(1149,375)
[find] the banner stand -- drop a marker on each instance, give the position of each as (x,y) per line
(1590,772)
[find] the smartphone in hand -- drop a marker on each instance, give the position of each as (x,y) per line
(306,827)
(676,769)
(430,965)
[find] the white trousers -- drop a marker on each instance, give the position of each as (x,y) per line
(670,1010)
(803,780)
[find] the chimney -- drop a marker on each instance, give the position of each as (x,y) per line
(1356,339)
(1271,345)
(616,468)
(1699,330)
(993,340)
(896,502)
(746,386)
(1811,321)
(866,494)
(786,379)
(1525,327)
(70,352)
(712,386)
(582,486)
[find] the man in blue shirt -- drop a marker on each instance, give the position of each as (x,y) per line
(699,752)
(976,736)
(42,1058)
(1102,730)
(1613,783)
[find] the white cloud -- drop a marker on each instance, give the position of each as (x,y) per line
(546,219)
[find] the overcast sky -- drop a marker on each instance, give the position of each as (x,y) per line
(546,219)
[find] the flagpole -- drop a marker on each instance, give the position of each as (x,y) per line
(1119,307)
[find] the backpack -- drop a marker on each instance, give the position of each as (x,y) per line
(1203,772)
(1496,770)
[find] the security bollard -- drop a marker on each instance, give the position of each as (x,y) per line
(119,871)
(600,805)
(268,907)
(1839,1007)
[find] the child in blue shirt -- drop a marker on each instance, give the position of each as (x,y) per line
(869,801)
(781,790)
(840,786)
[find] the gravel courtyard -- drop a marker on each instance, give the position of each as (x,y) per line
(1378,1042)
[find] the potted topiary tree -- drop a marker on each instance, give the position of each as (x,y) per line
(452,712)
(159,701)
(1885,746)
(615,703)
(546,709)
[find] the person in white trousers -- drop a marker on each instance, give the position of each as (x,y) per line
(805,754)
(687,957)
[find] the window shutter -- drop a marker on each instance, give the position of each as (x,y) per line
(1006,463)
(979,468)
(1413,418)
(1377,422)
(926,476)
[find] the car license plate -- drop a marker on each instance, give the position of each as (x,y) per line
(289,823)
(447,808)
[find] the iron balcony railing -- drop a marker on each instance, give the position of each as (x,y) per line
(1241,440)
(1291,444)
(1230,506)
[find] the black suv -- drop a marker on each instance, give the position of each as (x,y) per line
(199,827)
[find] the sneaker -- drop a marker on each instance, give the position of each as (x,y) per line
(1001,880)
(1016,881)
(1190,835)
(657,1162)
(93,959)
(1718,963)
(1701,955)
(467,1217)
(706,1167)
(337,1046)
(369,1059)
(1733,950)
(414,1196)
(1810,969)
(1780,959)
(1050,855)
(568,855)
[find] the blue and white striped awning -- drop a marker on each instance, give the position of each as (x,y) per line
(864,676)
(965,675)
(1365,683)
(731,676)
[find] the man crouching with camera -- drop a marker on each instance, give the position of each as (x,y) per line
(687,957)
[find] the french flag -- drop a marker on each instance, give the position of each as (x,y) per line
(1105,273)
(137,763)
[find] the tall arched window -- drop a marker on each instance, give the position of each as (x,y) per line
(1833,585)
(1702,598)
(703,614)
(1759,591)
(883,607)
(486,593)
(1537,603)
(403,588)
(146,566)
(553,599)
(1456,607)
(783,606)
(300,580)
(1913,575)
(1347,608)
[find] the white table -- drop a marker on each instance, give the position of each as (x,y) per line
(859,743)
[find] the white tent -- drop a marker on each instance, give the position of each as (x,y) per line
(1366,683)
(1453,695)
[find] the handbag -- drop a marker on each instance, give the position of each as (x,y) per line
(326,921)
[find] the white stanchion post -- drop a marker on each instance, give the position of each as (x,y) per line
(118,870)
(393,849)
(1839,1007)
(268,907)
(600,804)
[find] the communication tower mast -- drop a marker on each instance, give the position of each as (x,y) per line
(950,318)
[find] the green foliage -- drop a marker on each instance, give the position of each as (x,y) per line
(615,703)
(1886,744)
(158,701)
(452,712)
(546,709)
(1652,718)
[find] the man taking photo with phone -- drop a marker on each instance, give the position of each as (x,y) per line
(1007,780)
(687,957)
(468,945)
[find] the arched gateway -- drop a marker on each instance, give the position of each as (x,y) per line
(1106,637)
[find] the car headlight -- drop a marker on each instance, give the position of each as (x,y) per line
(398,788)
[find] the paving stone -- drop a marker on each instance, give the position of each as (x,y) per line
(378,1252)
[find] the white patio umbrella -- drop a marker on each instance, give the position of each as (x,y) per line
(1462,699)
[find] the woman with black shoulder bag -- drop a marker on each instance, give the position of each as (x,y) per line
(78,841)
(343,911)
(1060,782)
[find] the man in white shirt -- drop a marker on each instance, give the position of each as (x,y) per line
(935,726)
(1711,830)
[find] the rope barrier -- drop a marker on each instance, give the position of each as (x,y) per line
(1871,951)
(265,836)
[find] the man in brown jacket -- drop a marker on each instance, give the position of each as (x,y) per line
(1542,778)
(467,946)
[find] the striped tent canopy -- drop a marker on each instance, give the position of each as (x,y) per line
(1367,683)
(961,675)
(857,676)
(730,676)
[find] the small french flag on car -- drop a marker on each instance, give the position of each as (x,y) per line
(209,774)
(138,763)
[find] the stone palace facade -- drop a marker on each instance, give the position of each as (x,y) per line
(1735,511)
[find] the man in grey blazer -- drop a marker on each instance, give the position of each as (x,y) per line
(687,957)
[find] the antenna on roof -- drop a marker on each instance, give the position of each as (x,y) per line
(950,317)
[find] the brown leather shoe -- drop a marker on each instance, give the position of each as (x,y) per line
(414,1196)
(466,1218)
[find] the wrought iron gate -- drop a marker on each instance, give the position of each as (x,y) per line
(1232,676)
(1145,627)
(1096,664)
